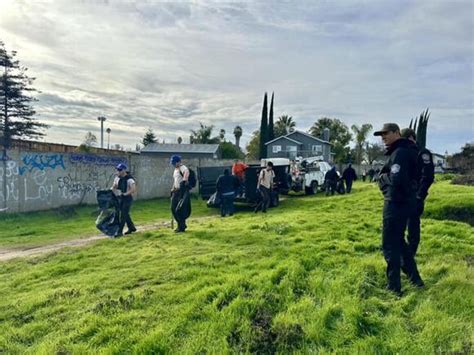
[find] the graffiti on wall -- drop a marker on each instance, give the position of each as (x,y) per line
(96,160)
(52,178)
(8,181)
(41,162)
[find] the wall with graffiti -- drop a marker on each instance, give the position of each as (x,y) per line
(32,181)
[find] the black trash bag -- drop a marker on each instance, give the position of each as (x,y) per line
(340,188)
(214,201)
(183,208)
(107,199)
(108,220)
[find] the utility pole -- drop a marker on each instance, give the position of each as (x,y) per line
(108,130)
(101,119)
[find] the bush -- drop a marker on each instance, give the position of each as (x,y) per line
(445,176)
(463,180)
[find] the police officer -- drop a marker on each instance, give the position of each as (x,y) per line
(398,182)
(349,175)
(425,176)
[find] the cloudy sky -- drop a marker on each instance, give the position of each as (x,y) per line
(170,65)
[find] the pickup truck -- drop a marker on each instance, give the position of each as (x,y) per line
(208,175)
(308,174)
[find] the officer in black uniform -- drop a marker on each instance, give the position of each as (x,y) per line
(425,179)
(398,182)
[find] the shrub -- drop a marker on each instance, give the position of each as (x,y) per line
(463,180)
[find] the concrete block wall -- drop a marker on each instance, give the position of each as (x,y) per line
(33,181)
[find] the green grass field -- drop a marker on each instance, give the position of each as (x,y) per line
(39,228)
(306,277)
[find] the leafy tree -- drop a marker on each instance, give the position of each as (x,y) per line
(87,145)
(230,151)
(237,134)
(90,139)
(463,162)
(360,139)
(263,129)
(374,152)
(253,146)
(284,125)
(203,135)
(149,137)
(339,136)
(271,130)
(16,111)
(180,140)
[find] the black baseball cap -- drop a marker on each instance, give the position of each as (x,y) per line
(387,127)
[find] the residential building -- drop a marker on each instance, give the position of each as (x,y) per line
(299,144)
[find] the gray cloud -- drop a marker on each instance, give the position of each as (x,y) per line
(169,66)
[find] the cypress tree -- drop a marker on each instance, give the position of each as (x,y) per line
(264,129)
(271,131)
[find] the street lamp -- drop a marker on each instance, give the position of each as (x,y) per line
(101,119)
(108,130)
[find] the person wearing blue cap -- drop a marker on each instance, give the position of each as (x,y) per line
(180,198)
(124,187)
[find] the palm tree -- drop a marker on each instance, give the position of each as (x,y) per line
(360,138)
(284,125)
(237,134)
(203,135)
(222,134)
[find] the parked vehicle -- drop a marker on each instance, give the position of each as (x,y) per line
(207,177)
(308,174)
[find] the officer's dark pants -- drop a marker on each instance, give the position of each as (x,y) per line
(348,186)
(227,204)
(175,197)
(330,187)
(265,199)
(395,218)
(125,205)
(414,227)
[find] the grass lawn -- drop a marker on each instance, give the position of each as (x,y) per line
(39,228)
(306,277)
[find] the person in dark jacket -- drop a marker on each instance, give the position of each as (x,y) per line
(124,187)
(349,175)
(371,174)
(180,196)
(226,187)
(330,181)
(397,181)
(425,177)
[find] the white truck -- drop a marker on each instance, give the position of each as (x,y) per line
(308,174)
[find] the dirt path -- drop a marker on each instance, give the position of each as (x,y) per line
(8,254)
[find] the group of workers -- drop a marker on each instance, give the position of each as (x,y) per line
(404,182)
(342,184)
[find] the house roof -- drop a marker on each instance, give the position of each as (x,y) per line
(309,136)
(297,142)
(181,148)
(283,137)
